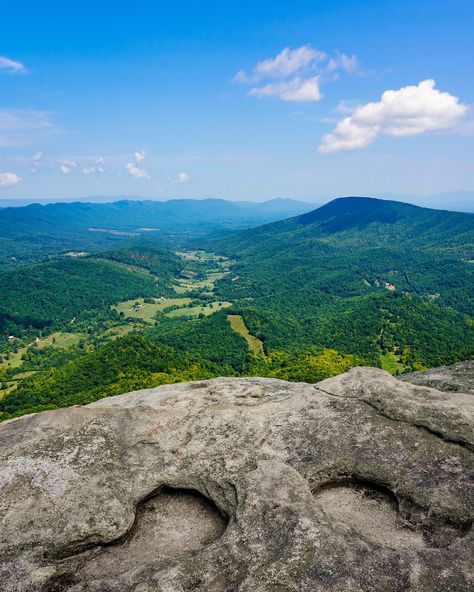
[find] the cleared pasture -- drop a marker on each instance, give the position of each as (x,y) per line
(238,325)
(145,311)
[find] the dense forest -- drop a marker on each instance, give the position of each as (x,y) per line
(355,282)
(36,231)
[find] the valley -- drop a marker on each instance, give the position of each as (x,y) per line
(301,299)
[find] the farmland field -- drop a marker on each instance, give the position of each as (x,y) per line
(147,311)
(238,325)
(194,311)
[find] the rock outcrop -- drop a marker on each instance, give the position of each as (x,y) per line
(359,483)
(455,378)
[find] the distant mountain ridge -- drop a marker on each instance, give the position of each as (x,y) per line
(54,227)
(370,221)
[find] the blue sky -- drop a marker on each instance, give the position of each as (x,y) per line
(146,98)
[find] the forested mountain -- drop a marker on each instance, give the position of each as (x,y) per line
(366,276)
(35,231)
(76,290)
(357,281)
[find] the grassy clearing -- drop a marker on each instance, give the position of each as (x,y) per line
(200,256)
(237,323)
(139,309)
(118,331)
(58,340)
(390,363)
(207,283)
(195,311)
(14,360)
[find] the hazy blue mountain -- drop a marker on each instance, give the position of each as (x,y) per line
(36,230)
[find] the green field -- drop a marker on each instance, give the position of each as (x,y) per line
(58,340)
(238,325)
(188,285)
(139,309)
(195,311)
(390,363)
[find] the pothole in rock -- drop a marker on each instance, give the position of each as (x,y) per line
(176,522)
(369,512)
(172,523)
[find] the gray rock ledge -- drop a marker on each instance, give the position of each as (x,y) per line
(360,483)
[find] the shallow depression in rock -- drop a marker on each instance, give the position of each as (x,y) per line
(169,524)
(369,512)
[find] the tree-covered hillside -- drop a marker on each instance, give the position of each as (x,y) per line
(355,282)
(78,290)
(365,276)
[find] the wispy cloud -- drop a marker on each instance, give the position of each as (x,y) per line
(23,127)
(296,90)
(297,74)
(96,168)
(11,65)
(37,159)
(409,111)
(9,180)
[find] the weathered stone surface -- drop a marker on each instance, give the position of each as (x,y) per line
(359,483)
(455,378)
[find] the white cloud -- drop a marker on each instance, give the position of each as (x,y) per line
(37,160)
(67,167)
(182,178)
(8,180)
(296,90)
(140,155)
(11,65)
(341,61)
(137,172)
(97,168)
(288,62)
(409,111)
(296,74)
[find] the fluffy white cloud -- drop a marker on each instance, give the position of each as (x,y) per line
(140,155)
(67,167)
(8,180)
(96,168)
(137,172)
(296,90)
(409,111)
(182,178)
(11,65)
